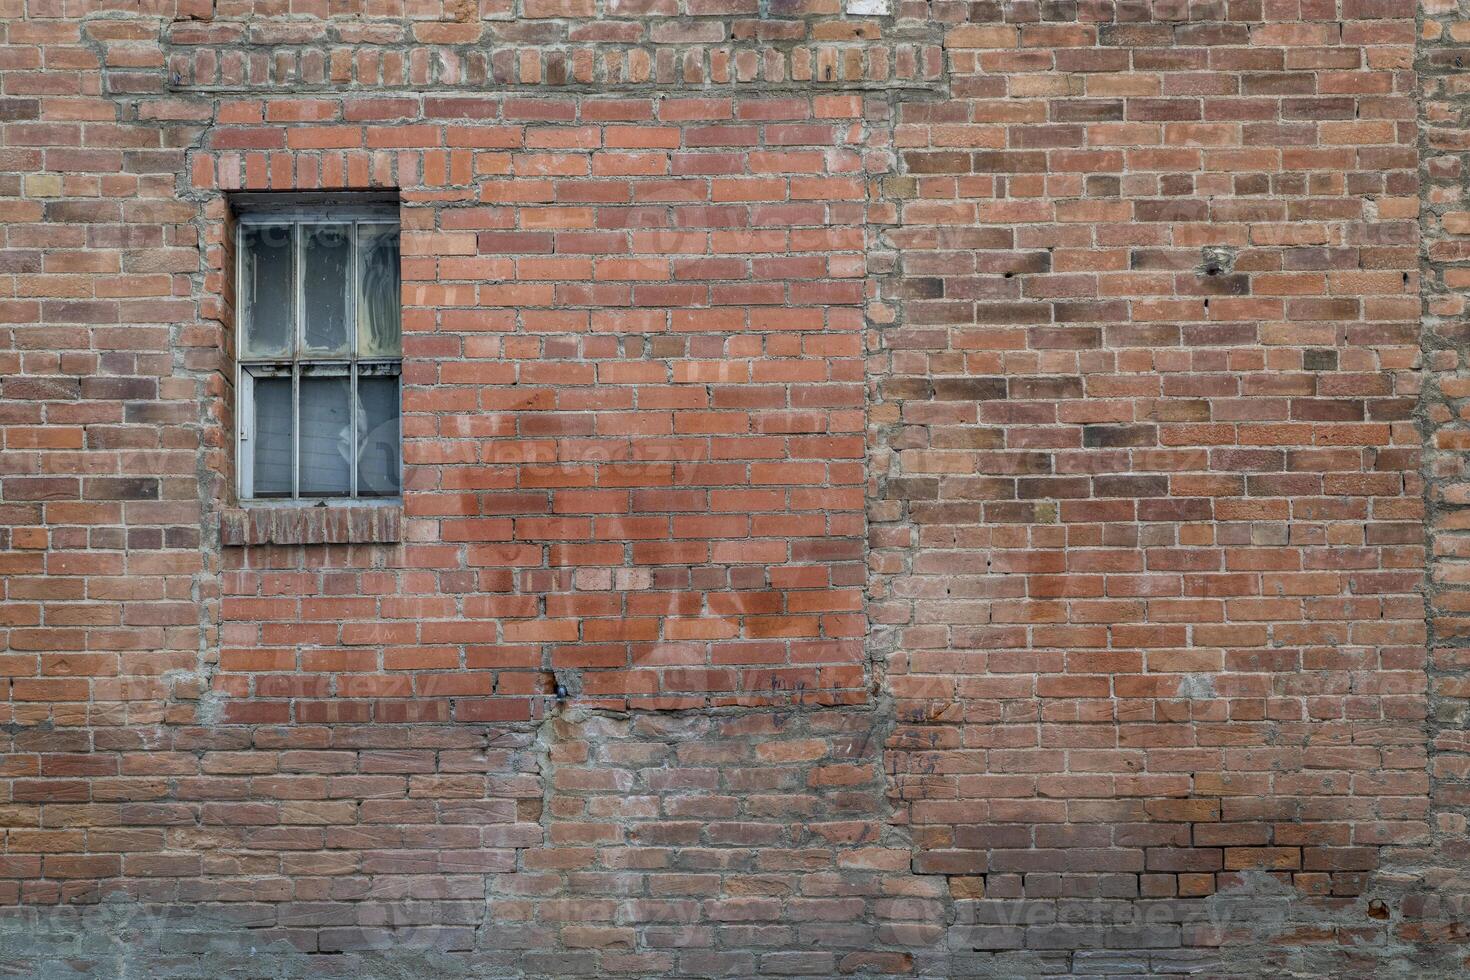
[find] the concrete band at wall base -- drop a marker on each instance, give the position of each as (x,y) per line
(914,489)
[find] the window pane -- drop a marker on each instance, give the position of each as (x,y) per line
(377,437)
(326,269)
(378,325)
(273,437)
(326,437)
(265,293)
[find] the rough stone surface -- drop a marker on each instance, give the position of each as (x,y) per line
(323,524)
(892,489)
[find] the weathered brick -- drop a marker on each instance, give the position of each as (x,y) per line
(889,489)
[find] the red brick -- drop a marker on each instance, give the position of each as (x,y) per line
(997,438)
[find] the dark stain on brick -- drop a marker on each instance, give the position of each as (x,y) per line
(17,110)
(969,389)
(1113,436)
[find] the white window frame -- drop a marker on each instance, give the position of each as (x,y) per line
(299,362)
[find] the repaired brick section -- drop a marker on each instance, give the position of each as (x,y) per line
(1152,580)
(1445,192)
(1118,669)
(633,411)
(695,845)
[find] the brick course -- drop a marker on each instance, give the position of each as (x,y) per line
(926,488)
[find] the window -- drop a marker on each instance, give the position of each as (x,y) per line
(320,353)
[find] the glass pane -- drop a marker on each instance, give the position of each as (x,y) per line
(378,326)
(272,437)
(266,289)
(377,437)
(326,270)
(326,437)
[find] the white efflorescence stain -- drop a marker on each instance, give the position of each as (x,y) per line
(1197,687)
(868,8)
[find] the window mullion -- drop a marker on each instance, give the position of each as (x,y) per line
(245,430)
(354,290)
(296,343)
(295,431)
(245,478)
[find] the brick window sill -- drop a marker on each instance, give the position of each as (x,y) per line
(295,523)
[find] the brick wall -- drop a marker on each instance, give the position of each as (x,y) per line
(1151,530)
(925,488)
(632,410)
